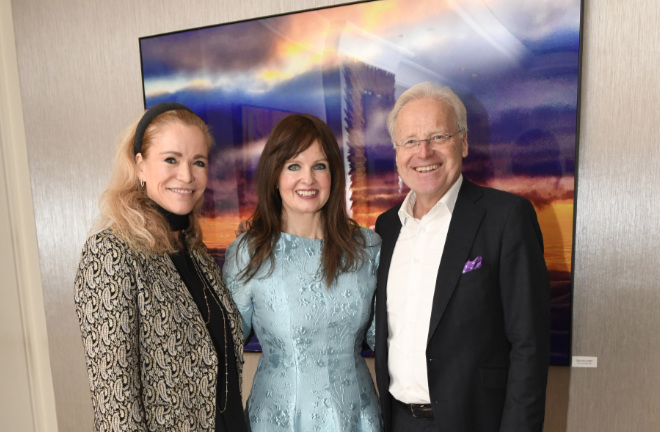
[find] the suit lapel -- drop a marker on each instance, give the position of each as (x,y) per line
(389,231)
(389,238)
(463,227)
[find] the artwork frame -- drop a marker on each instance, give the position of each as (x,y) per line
(347,64)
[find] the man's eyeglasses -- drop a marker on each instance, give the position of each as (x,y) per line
(437,140)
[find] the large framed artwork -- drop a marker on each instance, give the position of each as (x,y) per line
(515,64)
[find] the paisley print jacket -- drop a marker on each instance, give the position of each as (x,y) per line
(151,361)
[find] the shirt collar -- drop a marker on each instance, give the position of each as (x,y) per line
(448,200)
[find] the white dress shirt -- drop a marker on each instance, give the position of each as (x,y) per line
(410,289)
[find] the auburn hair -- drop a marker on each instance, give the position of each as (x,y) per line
(344,244)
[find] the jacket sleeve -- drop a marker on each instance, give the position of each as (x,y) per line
(107,307)
(525,291)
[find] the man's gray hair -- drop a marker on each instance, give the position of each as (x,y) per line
(428,90)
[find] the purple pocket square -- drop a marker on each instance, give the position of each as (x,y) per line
(472,265)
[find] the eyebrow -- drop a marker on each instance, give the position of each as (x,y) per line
(296,161)
(175,153)
(434,132)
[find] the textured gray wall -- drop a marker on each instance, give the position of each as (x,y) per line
(80,81)
(617,276)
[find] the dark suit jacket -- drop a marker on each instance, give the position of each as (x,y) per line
(488,344)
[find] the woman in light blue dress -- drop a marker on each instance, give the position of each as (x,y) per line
(303,277)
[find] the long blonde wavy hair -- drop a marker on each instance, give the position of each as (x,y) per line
(124,206)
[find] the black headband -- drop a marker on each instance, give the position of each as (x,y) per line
(149,116)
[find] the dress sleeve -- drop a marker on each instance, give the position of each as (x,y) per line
(373,252)
(239,289)
(107,307)
(371,332)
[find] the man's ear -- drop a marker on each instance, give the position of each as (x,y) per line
(464,144)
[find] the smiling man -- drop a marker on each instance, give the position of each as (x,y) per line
(463,297)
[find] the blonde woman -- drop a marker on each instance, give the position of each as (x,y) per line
(162,336)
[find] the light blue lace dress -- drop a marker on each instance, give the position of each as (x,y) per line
(311,376)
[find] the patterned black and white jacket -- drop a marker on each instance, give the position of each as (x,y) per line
(151,361)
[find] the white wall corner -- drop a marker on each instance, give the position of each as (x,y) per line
(20,251)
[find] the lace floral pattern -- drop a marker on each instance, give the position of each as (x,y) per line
(311,376)
(151,361)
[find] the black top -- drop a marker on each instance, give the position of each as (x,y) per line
(232,419)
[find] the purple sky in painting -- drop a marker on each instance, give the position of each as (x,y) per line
(514,63)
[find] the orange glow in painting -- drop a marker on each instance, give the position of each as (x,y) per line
(514,66)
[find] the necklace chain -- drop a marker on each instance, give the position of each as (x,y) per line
(206,288)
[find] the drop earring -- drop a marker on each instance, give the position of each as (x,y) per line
(141,182)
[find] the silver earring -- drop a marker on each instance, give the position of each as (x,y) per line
(141,182)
